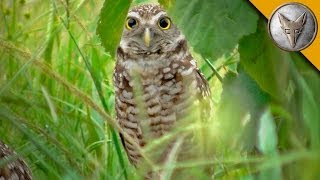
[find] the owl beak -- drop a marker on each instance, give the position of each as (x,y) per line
(147,37)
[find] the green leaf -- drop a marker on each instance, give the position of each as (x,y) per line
(264,62)
(309,73)
(137,2)
(311,113)
(166,3)
(213,27)
(267,144)
(308,80)
(111,21)
(267,134)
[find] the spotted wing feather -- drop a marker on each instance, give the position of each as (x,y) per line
(15,168)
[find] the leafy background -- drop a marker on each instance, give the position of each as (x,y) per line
(57,98)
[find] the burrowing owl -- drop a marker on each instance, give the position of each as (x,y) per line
(156,78)
(12,169)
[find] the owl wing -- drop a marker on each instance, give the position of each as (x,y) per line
(203,85)
(203,90)
(16,169)
(206,110)
(204,95)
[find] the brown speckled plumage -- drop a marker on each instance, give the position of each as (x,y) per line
(15,169)
(154,85)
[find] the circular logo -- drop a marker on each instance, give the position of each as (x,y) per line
(293,26)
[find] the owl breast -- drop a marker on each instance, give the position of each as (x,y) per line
(152,95)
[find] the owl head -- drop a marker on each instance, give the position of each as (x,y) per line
(149,30)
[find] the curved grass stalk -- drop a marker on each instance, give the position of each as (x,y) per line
(10,48)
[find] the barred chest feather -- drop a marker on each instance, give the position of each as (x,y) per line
(152,94)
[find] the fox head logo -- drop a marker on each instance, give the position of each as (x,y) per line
(292,28)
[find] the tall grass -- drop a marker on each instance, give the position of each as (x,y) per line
(52,109)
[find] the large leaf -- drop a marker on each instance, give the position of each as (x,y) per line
(308,79)
(213,27)
(111,21)
(267,134)
(264,62)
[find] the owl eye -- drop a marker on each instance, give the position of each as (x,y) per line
(131,23)
(164,23)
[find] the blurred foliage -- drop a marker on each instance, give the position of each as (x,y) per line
(112,18)
(267,65)
(56,92)
(220,24)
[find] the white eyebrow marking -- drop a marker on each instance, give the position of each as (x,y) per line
(134,15)
(156,17)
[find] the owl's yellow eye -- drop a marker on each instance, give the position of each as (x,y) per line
(164,23)
(131,23)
